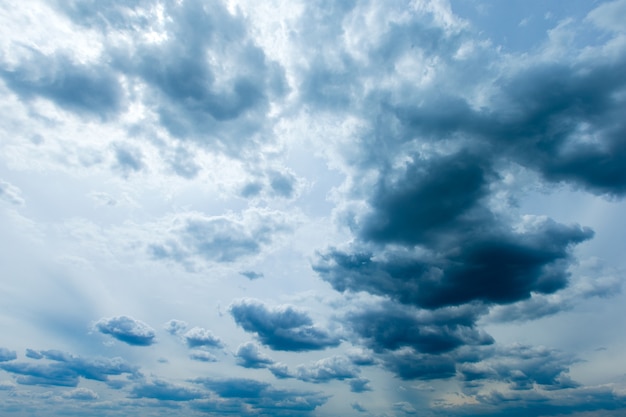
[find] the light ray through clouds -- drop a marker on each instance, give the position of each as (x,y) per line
(312,208)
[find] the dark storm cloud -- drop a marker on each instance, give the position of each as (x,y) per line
(281,327)
(408,364)
(7,355)
(263,398)
(84,89)
(127,329)
(65,369)
(199,337)
(165,391)
(391,327)
(202,356)
(250,356)
(496,268)
(219,238)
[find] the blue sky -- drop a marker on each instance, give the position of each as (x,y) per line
(312,208)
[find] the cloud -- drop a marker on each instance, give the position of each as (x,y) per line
(199,337)
(388,326)
(165,391)
(202,356)
(65,369)
(250,356)
(324,370)
(408,364)
(251,275)
(175,327)
(262,397)
(359,385)
(434,269)
(282,327)
(86,89)
(127,329)
(226,95)
(128,160)
(10,194)
(523,368)
(7,355)
(81,394)
(225,238)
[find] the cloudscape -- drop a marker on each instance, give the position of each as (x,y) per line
(312,208)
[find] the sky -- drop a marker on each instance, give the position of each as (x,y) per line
(312,208)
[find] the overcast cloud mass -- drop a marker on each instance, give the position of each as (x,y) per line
(312,208)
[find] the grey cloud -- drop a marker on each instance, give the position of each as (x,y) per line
(84,89)
(500,268)
(522,367)
(175,327)
(359,385)
(358,407)
(408,364)
(7,355)
(595,282)
(324,370)
(10,194)
(392,327)
(165,391)
(250,356)
(202,356)
(81,394)
(281,371)
(33,354)
(127,329)
(226,95)
(263,398)
(65,369)
(281,327)
(219,238)
(251,275)
(199,337)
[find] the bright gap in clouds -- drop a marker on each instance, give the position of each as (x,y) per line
(312,208)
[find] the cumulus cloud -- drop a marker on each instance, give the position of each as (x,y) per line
(165,391)
(281,327)
(199,337)
(219,238)
(202,356)
(324,370)
(65,369)
(249,355)
(175,327)
(522,367)
(127,329)
(262,397)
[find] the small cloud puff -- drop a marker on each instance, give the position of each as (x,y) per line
(282,327)
(81,394)
(127,329)
(199,337)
